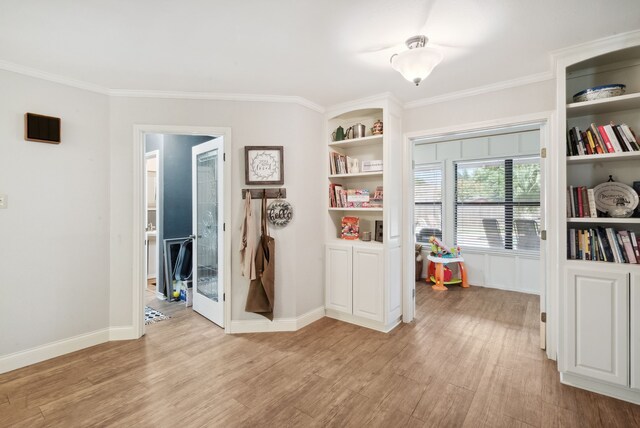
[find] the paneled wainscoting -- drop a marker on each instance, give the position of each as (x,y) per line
(471,358)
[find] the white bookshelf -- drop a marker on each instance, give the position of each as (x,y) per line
(604,220)
(592,292)
(357,175)
(364,278)
(605,105)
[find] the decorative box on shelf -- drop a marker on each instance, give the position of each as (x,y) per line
(371,166)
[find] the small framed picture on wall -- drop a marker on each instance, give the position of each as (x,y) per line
(263,165)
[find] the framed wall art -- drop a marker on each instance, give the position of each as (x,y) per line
(263,165)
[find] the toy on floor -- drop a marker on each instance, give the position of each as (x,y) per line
(438,272)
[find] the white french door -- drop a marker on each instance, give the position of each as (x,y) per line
(208,221)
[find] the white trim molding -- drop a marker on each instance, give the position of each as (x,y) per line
(35,355)
(278,324)
(217,96)
(51,77)
(493,87)
(134,93)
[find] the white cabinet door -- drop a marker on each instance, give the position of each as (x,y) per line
(338,289)
(597,325)
(635,331)
(368,280)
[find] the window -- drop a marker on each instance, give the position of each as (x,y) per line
(427,215)
(498,204)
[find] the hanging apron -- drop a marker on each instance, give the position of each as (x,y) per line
(260,298)
(249,241)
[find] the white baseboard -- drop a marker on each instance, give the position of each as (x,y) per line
(278,324)
(51,350)
(619,392)
(122,333)
(311,316)
(363,322)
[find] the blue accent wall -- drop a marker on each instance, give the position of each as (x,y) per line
(174,220)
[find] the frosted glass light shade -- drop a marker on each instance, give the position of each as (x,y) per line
(417,63)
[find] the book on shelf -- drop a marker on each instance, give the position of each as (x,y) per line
(599,139)
(342,164)
(605,245)
(350,228)
(581,202)
(339,197)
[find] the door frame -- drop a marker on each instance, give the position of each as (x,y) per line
(548,252)
(139,211)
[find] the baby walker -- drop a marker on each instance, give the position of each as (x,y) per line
(438,272)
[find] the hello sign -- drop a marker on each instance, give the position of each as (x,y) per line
(279,212)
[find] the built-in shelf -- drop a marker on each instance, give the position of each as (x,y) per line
(359,174)
(604,105)
(605,157)
(355,209)
(357,242)
(600,263)
(357,142)
(604,220)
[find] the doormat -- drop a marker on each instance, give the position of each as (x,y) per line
(152,316)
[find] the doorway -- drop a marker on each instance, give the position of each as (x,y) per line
(483,190)
(191,209)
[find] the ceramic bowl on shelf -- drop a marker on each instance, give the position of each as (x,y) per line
(599,92)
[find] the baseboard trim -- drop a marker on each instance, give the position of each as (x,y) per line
(122,333)
(278,324)
(51,350)
(362,322)
(619,392)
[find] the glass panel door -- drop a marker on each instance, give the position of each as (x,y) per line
(207,224)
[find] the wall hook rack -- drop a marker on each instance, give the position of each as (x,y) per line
(275,193)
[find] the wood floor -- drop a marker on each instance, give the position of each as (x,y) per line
(470,359)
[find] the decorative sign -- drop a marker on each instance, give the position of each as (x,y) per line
(279,212)
(264,165)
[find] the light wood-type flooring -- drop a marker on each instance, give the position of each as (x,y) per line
(470,359)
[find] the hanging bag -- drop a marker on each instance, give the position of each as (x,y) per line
(261,296)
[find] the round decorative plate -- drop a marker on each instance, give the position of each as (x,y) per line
(279,212)
(598,92)
(610,193)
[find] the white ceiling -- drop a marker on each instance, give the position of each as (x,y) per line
(319,50)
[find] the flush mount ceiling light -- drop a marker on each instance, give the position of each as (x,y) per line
(416,63)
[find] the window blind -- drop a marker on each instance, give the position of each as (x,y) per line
(428,201)
(498,203)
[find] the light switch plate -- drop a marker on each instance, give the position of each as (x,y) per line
(4,202)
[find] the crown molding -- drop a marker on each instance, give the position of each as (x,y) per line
(51,77)
(132,93)
(357,103)
(494,87)
(604,45)
(216,96)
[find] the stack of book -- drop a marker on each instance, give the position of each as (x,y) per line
(341,164)
(581,202)
(604,245)
(351,198)
(601,139)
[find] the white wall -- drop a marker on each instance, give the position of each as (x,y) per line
(299,255)
(517,101)
(54,236)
